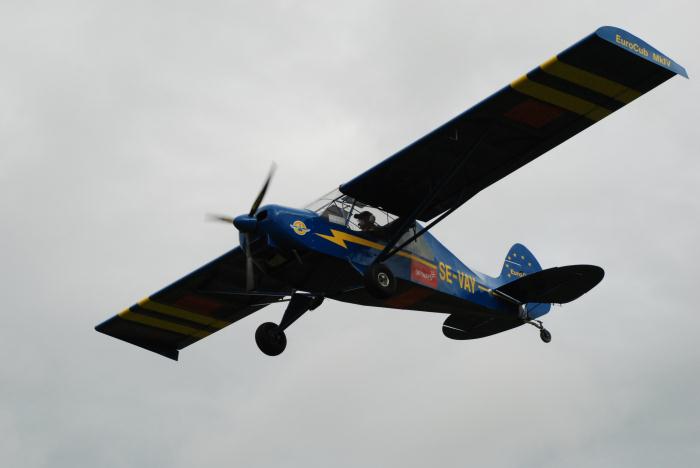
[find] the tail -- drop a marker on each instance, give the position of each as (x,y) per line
(523,279)
(518,263)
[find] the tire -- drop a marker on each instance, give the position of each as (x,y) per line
(545,335)
(270,339)
(380,281)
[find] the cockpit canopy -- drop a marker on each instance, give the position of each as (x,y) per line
(342,209)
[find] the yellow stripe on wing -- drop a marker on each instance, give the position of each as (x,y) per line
(590,80)
(560,99)
(163,324)
(148,304)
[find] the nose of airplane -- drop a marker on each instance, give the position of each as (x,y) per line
(245,223)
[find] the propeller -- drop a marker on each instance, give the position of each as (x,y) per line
(249,270)
(214,217)
(259,199)
(247,224)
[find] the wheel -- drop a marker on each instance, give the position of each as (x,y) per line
(270,339)
(380,281)
(545,335)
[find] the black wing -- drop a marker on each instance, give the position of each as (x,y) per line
(192,308)
(522,121)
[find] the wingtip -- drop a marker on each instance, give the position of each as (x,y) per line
(635,45)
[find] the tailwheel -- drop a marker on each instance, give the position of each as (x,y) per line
(270,339)
(380,281)
(545,335)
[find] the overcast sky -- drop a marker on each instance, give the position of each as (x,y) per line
(123,123)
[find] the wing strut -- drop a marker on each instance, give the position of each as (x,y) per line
(390,249)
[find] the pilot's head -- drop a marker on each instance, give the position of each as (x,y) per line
(365,220)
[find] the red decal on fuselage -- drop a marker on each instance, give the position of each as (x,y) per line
(424,274)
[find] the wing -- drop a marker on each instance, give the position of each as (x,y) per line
(538,111)
(192,308)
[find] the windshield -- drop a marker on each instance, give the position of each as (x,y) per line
(345,210)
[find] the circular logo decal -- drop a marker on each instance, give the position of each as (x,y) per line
(299,227)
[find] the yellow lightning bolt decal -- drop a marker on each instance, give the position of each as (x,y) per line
(341,237)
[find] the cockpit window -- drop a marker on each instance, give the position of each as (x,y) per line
(368,218)
(342,209)
(319,205)
(334,206)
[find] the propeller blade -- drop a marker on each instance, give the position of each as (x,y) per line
(249,278)
(248,224)
(222,218)
(261,195)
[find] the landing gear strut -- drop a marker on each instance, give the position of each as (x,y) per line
(545,335)
(270,337)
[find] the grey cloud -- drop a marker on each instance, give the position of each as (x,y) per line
(124,122)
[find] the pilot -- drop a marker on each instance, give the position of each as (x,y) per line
(365,221)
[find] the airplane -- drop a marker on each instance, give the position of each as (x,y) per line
(368,242)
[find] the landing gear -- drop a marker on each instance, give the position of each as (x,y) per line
(270,337)
(380,281)
(316,302)
(525,317)
(545,335)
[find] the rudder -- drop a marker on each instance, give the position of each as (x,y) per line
(518,263)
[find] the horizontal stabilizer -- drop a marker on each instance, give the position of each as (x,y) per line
(470,328)
(557,285)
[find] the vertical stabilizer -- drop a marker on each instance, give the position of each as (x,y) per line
(518,263)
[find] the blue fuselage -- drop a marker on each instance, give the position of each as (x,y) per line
(334,257)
